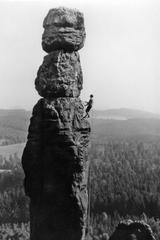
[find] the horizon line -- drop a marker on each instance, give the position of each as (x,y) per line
(94,109)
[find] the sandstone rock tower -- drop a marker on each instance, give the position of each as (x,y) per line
(55,159)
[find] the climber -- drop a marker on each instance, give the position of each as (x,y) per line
(89,105)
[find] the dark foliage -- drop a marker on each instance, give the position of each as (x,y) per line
(124,183)
(125,178)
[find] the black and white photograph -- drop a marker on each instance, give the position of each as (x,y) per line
(79,120)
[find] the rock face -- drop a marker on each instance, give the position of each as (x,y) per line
(60,75)
(63,29)
(137,230)
(55,158)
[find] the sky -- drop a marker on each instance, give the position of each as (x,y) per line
(120,59)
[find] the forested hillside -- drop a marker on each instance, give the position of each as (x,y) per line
(13,126)
(124,183)
(124,177)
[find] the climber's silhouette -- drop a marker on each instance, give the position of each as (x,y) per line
(89,105)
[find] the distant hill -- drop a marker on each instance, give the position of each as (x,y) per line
(13,126)
(105,125)
(123,114)
(105,130)
(139,129)
(12,149)
(17,119)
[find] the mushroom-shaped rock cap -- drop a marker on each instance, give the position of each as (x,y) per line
(63,29)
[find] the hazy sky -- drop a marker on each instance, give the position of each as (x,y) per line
(120,59)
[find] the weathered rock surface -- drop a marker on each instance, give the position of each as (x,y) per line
(132,230)
(56,169)
(60,75)
(63,29)
(55,159)
(56,126)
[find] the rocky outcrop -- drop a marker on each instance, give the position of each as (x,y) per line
(60,75)
(132,230)
(55,158)
(63,29)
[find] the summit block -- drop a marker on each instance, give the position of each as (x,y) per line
(63,29)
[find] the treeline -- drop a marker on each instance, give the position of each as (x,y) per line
(8,140)
(14,231)
(124,183)
(13,126)
(125,178)
(13,203)
(11,162)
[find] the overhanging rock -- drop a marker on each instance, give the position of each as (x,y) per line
(63,29)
